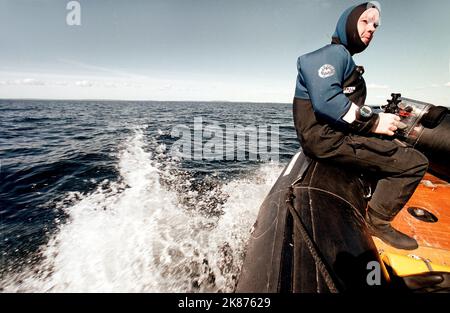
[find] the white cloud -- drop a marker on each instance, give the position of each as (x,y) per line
(33,81)
(84,83)
(432,86)
(110,85)
(165,87)
(377,86)
(58,86)
(61,83)
(27,81)
(103,70)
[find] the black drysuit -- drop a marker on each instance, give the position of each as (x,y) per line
(326,137)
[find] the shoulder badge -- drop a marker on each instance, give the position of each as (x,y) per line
(326,70)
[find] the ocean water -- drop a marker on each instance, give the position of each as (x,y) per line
(94,199)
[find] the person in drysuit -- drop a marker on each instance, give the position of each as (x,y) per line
(333,124)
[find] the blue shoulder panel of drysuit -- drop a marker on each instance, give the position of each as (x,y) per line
(325,89)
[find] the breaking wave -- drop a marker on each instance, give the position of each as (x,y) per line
(155,229)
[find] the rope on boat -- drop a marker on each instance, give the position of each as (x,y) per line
(310,244)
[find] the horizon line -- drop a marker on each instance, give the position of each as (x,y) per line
(124,100)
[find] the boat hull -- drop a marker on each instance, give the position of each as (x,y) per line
(330,203)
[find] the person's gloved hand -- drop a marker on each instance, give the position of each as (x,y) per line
(387,124)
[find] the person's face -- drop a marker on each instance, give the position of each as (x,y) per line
(367,24)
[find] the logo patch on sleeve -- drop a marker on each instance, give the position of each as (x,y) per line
(326,70)
(350,89)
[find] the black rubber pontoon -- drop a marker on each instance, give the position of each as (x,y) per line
(329,202)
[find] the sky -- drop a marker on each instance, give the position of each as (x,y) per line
(211,50)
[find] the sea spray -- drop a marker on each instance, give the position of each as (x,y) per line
(142,233)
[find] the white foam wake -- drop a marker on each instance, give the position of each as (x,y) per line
(133,236)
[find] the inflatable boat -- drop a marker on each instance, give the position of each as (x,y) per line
(310,234)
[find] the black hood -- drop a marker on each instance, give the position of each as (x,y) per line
(346,32)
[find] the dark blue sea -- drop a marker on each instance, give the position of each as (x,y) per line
(95,198)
